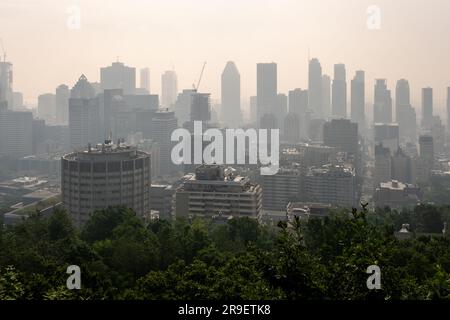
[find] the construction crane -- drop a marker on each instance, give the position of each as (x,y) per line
(3,50)
(199,79)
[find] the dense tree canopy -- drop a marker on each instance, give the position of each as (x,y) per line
(123,257)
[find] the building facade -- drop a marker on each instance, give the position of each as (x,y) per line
(266,89)
(281,188)
(118,76)
(339,93)
(103,176)
(331,184)
(231,114)
(214,190)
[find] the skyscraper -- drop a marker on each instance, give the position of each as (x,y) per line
(182,107)
(62,104)
(145,79)
(200,107)
(46,107)
(402,97)
(298,102)
(16,133)
(358,100)
(163,124)
(269,121)
(326,95)
(17,100)
(427,107)
(282,107)
(339,92)
(84,115)
(253,109)
(382,108)
(437,131)
(118,76)
(448,109)
(425,163)
(342,134)
(169,88)
(266,89)
(231,96)
(291,128)
(6,83)
(387,134)
(315,87)
(402,167)
(405,115)
(383,165)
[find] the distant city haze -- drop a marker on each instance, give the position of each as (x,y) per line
(412,41)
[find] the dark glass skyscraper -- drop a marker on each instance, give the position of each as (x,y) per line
(358,101)
(339,92)
(266,89)
(382,108)
(427,107)
(405,115)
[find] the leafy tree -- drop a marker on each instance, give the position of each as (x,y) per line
(102,223)
(123,257)
(11,287)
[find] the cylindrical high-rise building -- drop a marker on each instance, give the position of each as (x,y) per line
(108,175)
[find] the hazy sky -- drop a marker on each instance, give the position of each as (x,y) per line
(413,41)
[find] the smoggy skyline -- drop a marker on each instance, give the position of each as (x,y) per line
(162,35)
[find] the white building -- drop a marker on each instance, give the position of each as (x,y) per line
(169,88)
(163,124)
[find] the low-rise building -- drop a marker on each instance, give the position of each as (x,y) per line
(215,190)
(397,194)
(161,200)
(281,188)
(307,210)
(331,184)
